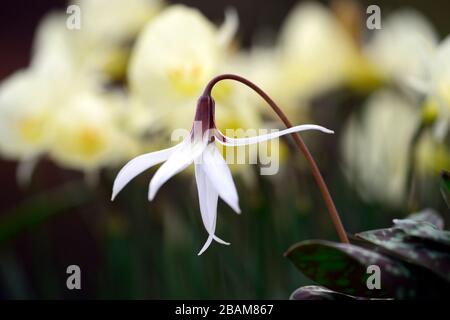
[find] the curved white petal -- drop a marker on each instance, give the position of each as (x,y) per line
(208,198)
(209,241)
(177,161)
(138,165)
(219,175)
(227,141)
(206,245)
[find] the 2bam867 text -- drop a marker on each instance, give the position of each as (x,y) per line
(252,309)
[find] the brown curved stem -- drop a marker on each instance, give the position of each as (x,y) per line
(300,144)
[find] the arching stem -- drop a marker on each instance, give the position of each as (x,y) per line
(300,144)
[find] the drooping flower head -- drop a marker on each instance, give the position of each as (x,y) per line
(212,174)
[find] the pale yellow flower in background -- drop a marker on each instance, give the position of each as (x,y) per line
(440,86)
(108,29)
(115,20)
(375,147)
(432,156)
(53,56)
(435,86)
(402,47)
(262,63)
(56,105)
(25,109)
(87,132)
(316,51)
(29,97)
(174,57)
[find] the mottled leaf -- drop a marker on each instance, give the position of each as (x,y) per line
(445,186)
(343,268)
(423,231)
(427,215)
(406,241)
(319,293)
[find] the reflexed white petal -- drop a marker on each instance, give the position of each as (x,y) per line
(139,165)
(227,141)
(220,177)
(181,158)
(208,198)
(206,245)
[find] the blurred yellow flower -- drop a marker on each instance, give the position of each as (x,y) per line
(317,52)
(375,147)
(115,20)
(29,97)
(437,87)
(56,105)
(174,57)
(432,156)
(400,49)
(25,108)
(87,132)
(107,32)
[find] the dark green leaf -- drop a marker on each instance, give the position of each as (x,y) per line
(397,241)
(343,268)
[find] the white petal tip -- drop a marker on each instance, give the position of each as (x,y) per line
(113,197)
(201,251)
(221,241)
(151,194)
(206,245)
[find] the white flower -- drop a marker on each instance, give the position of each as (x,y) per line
(375,147)
(174,57)
(435,85)
(212,174)
(402,47)
(316,51)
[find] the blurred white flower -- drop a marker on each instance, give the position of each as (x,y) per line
(87,135)
(212,174)
(402,48)
(175,55)
(56,105)
(316,51)
(375,147)
(108,29)
(115,20)
(435,85)
(29,97)
(25,109)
